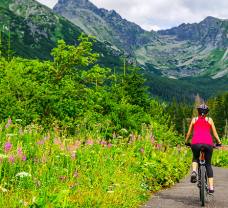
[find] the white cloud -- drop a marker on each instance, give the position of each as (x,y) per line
(49,3)
(160,14)
(150,27)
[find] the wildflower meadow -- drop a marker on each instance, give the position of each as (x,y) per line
(48,169)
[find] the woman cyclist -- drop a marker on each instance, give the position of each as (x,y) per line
(202,127)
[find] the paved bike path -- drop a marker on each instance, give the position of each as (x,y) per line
(186,194)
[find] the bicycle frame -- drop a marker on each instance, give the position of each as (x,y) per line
(202,178)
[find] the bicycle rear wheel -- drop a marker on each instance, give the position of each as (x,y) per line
(202,185)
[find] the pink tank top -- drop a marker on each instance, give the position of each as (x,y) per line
(201,132)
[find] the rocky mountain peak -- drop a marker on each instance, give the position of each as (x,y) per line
(106,25)
(211,19)
(79,2)
(210,31)
(211,22)
(71,4)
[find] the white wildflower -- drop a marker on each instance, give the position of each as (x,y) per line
(11,135)
(18,120)
(3,189)
(23,174)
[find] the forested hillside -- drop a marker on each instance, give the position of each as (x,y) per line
(32,30)
(219,113)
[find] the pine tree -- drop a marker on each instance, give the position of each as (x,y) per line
(0,43)
(198,101)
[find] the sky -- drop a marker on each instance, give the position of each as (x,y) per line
(161,14)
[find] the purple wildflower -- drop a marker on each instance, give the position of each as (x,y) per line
(41,142)
(11,159)
(19,151)
(57,141)
(152,139)
(142,150)
(109,145)
(90,142)
(103,143)
(70,147)
(62,147)
(77,144)
(7,146)
(158,146)
(23,158)
(9,122)
(73,147)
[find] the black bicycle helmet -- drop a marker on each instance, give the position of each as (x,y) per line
(203,109)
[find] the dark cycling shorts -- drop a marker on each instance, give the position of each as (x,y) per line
(208,150)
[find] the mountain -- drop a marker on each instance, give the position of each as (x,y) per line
(189,50)
(35,29)
(210,32)
(198,49)
(104,24)
(194,49)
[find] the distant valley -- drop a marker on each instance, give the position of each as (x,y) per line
(187,50)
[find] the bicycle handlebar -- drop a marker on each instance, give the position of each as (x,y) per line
(214,146)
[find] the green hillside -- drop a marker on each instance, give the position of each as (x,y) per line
(34,30)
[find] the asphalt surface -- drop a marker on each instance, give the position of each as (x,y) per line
(186,194)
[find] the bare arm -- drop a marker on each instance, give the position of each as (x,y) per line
(214,131)
(189,131)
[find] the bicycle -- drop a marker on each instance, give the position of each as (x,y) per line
(202,180)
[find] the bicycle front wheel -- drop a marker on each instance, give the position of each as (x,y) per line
(202,185)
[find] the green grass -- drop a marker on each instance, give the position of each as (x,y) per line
(75,172)
(220,157)
(214,61)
